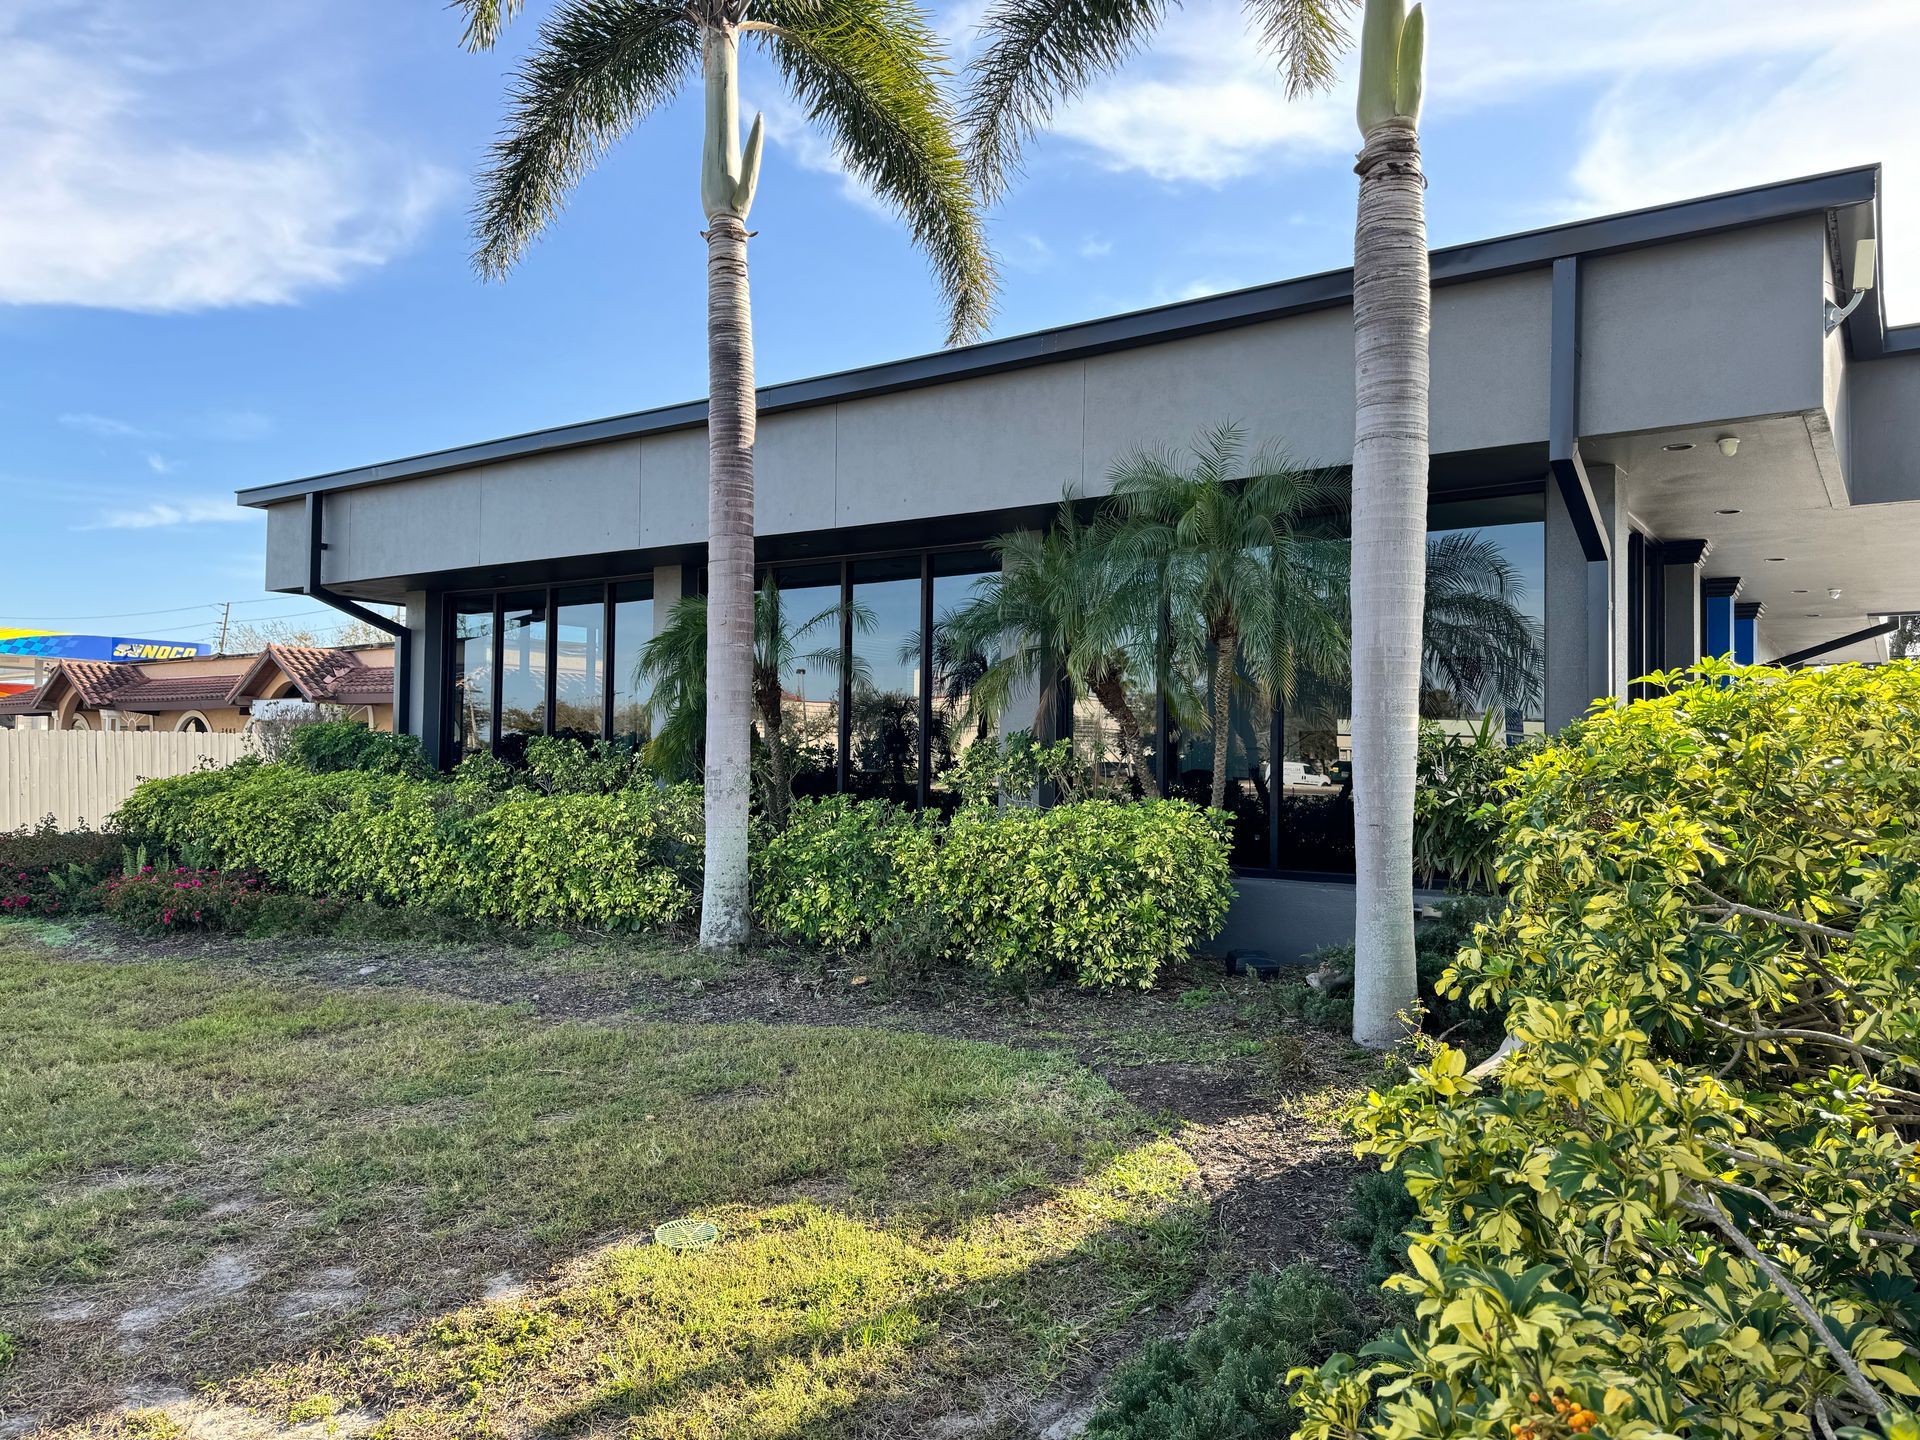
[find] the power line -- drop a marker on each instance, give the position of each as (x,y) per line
(136,614)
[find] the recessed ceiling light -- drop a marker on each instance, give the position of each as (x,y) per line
(1726,512)
(1678,446)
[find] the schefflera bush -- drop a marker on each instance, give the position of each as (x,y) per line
(1096,892)
(1685,1201)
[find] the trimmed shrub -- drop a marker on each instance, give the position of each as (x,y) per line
(1228,1379)
(840,871)
(1686,1202)
(1096,892)
(627,859)
(630,860)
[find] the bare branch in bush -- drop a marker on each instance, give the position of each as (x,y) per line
(1694,1203)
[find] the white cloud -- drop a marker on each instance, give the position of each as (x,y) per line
(164,514)
(787,126)
(160,465)
(1201,104)
(1095,247)
(103,425)
(1666,101)
(136,180)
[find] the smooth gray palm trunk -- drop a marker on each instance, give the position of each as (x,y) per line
(1390,332)
(724,912)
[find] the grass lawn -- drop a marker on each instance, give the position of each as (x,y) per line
(349,1207)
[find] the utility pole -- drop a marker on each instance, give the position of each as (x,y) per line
(226,610)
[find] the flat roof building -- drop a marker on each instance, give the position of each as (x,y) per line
(1648,414)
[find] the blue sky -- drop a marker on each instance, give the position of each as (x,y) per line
(234,243)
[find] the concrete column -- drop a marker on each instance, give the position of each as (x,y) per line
(1682,559)
(423,698)
(1586,649)
(1746,614)
(1716,602)
(667,583)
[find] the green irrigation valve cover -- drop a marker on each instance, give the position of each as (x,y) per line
(686,1234)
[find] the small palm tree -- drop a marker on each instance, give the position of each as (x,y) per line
(1060,610)
(1240,557)
(673,666)
(867,72)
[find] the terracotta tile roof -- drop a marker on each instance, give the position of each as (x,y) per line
(364,684)
(175,692)
(318,675)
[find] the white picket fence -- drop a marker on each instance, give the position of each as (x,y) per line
(79,777)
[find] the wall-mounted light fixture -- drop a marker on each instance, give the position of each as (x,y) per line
(1863,258)
(1729,445)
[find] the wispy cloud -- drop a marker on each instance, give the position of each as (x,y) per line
(104,426)
(165,514)
(121,194)
(160,465)
(1095,247)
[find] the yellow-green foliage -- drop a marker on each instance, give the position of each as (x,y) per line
(1099,893)
(627,859)
(839,870)
(1686,1203)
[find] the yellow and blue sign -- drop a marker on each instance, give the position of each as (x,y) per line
(53,645)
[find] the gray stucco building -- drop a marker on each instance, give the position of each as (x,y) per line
(1647,413)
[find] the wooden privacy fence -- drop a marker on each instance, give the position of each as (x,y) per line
(79,777)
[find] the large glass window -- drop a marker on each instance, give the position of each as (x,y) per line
(523,670)
(632,629)
(471,707)
(956,669)
(579,661)
(807,627)
(883,757)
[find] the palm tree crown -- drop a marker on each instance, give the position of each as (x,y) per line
(1038,53)
(868,73)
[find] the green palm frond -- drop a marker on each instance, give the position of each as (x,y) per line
(1306,37)
(485,20)
(600,66)
(869,73)
(1035,55)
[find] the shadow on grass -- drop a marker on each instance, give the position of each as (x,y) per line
(801,1321)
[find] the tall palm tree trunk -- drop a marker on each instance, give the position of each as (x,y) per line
(1226,647)
(726,190)
(1390,332)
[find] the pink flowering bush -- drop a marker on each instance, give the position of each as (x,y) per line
(46,872)
(162,901)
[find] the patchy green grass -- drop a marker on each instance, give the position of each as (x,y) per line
(903,1216)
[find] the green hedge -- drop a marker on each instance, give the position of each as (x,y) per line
(627,859)
(1095,892)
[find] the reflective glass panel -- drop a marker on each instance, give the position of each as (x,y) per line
(884,755)
(470,700)
(580,661)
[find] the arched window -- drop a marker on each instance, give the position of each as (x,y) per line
(79,722)
(193,722)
